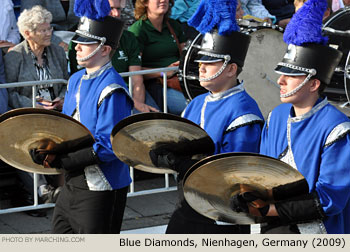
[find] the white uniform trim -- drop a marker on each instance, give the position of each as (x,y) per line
(243,120)
(95,179)
(337,133)
(108,91)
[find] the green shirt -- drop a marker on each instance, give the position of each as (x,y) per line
(127,54)
(159,49)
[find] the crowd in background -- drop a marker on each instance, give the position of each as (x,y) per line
(35,45)
(153,23)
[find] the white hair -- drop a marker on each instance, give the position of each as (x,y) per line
(29,19)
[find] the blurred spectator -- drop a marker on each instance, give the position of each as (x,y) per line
(128,13)
(337,4)
(126,59)
(255,8)
(183,11)
(328,12)
(239,10)
(63,18)
(17,7)
(3,91)
(346,2)
(159,48)
(9,35)
(36,59)
(298,4)
(283,10)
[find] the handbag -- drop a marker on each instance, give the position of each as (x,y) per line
(173,82)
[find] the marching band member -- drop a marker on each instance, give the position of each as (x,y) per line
(307,133)
(227,113)
(93,197)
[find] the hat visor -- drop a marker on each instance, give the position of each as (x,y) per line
(283,70)
(207,59)
(80,39)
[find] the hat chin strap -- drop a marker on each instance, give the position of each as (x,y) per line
(312,72)
(93,53)
(226,58)
(86,34)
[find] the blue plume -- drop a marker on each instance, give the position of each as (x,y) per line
(92,9)
(306,25)
(220,14)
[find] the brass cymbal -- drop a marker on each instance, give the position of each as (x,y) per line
(22,129)
(24,111)
(135,136)
(210,183)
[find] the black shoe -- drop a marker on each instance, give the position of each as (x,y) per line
(51,195)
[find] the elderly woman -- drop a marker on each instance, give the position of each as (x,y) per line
(64,20)
(36,59)
(161,39)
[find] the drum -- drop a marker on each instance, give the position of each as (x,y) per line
(337,28)
(188,69)
(266,49)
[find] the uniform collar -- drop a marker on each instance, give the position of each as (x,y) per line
(97,72)
(222,95)
(317,107)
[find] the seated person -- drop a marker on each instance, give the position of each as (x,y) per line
(36,59)
(63,17)
(283,10)
(182,11)
(299,3)
(255,8)
(9,35)
(153,30)
(338,4)
(126,59)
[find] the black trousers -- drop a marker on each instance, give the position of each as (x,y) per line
(185,220)
(79,210)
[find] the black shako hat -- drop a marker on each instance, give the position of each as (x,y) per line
(222,40)
(107,30)
(216,47)
(301,60)
(308,52)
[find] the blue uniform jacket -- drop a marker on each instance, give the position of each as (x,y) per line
(320,145)
(232,119)
(103,102)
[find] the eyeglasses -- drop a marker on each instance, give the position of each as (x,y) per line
(43,31)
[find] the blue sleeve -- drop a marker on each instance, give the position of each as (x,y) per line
(113,109)
(242,139)
(263,141)
(333,184)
